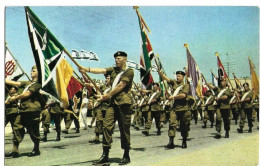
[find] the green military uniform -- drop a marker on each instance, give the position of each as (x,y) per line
(167,109)
(223,111)
(99,112)
(46,120)
(194,111)
(199,107)
(144,109)
(154,112)
(119,109)
(235,108)
(209,110)
(180,111)
(29,114)
(11,111)
(246,110)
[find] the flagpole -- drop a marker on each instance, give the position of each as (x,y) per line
(17,62)
(83,74)
(159,74)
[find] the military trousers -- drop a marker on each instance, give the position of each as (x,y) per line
(153,115)
(69,118)
(57,120)
(138,118)
(222,114)
(30,121)
(184,118)
(235,113)
(10,118)
(145,116)
(121,113)
(246,112)
(46,120)
(209,115)
(99,114)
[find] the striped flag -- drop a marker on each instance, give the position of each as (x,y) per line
(221,71)
(146,55)
(46,49)
(214,79)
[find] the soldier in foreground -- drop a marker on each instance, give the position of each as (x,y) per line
(121,79)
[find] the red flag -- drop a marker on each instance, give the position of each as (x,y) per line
(221,71)
(73,87)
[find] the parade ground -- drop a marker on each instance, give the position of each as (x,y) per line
(203,149)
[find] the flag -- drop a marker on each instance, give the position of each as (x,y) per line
(254,78)
(64,72)
(214,79)
(238,83)
(221,71)
(84,55)
(76,54)
(89,56)
(197,83)
(13,70)
(161,82)
(73,87)
(46,49)
(146,55)
(132,64)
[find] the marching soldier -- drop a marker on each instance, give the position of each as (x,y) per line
(246,108)
(121,79)
(180,108)
(234,106)
(223,107)
(154,109)
(29,113)
(100,110)
(209,109)
(11,108)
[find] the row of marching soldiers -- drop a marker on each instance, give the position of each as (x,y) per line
(179,108)
(116,104)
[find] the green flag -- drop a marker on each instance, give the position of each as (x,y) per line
(46,49)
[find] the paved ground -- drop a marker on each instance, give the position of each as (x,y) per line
(203,149)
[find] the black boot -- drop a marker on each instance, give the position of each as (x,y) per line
(159,131)
(58,136)
(12,154)
(196,121)
(218,135)
(104,157)
(146,132)
(126,158)
(36,150)
(250,130)
(240,130)
(227,134)
(44,139)
(170,145)
(204,126)
(184,143)
(211,125)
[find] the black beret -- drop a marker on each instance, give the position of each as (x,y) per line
(120,53)
(180,72)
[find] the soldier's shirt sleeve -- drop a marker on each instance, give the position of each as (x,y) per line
(128,75)
(186,89)
(109,70)
(172,82)
(35,88)
(23,84)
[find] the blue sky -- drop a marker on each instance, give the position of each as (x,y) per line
(231,31)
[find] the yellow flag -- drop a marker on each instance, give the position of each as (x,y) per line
(254,78)
(64,72)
